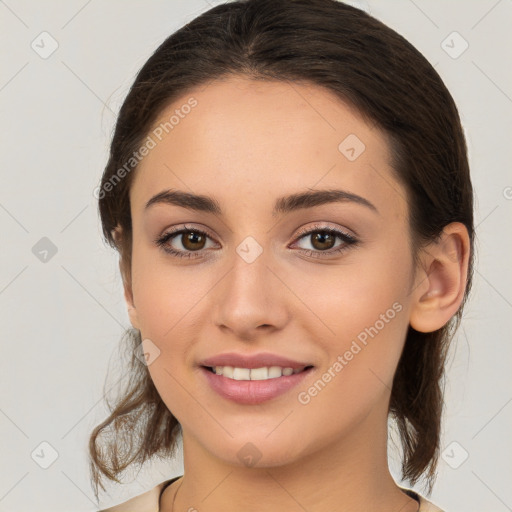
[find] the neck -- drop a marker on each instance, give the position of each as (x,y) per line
(348,474)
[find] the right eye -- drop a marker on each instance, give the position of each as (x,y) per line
(190,237)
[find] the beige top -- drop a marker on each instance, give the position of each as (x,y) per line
(149,501)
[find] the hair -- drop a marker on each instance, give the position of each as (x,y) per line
(368,66)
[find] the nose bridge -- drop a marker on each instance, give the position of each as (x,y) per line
(248,279)
(248,296)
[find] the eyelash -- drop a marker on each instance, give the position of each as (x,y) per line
(348,239)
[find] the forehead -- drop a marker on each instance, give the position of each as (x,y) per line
(244,138)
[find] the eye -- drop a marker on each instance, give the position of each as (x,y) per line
(323,238)
(192,240)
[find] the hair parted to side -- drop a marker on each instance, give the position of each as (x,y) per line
(368,66)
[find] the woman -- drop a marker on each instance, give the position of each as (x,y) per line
(289,192)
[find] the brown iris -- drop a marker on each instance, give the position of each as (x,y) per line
(192,238)
(323,237)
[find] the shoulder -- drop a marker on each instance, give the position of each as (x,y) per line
(425,505)
(145,502)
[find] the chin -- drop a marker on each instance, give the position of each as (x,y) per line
(257,451)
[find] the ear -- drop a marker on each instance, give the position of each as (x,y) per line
(128,297)
(126,276)
(441,279)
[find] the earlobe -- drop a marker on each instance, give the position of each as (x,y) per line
(441,281)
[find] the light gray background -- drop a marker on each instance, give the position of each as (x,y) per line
(62,319)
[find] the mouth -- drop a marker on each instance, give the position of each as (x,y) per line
(263,373)
(253,386)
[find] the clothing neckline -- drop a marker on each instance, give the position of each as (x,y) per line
(164,486)
(412,494)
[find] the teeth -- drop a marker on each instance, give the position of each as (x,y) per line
(274,372)
(254,373)
(264,373)
(241,373)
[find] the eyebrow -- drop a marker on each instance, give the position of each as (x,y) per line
(285,204)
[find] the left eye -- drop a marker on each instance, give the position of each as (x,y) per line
(323,240)
(320,236)
(193,241)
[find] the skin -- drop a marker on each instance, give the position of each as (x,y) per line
(245,144)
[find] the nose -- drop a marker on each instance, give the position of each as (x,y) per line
(251,298)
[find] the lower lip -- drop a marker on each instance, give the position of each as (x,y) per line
(252,392)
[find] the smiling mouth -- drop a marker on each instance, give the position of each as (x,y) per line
(263,373)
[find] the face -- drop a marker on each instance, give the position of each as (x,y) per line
(253,281)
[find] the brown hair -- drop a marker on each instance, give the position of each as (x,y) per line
(368,66)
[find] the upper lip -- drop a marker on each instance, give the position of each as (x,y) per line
(252,360)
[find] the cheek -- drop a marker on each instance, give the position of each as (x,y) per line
(359,294)
(165,295)
(367,316)
(361,362)
(168,310)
